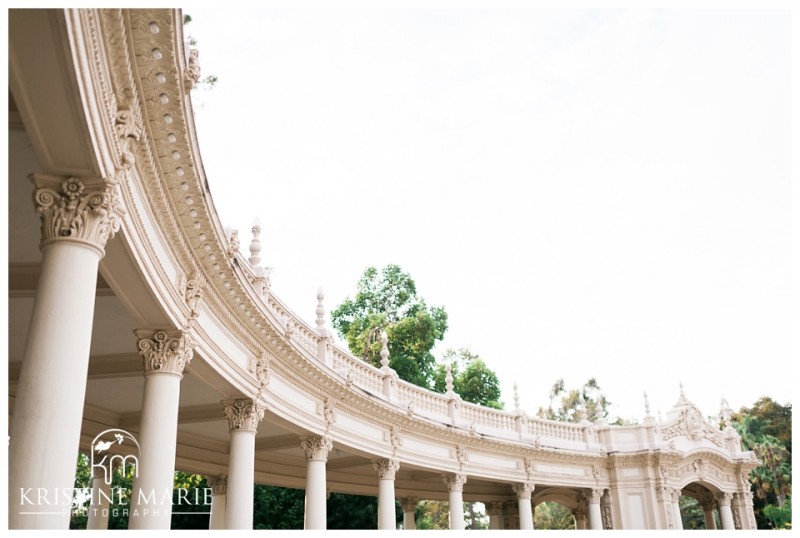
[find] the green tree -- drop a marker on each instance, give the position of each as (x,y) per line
(552,516)
(766,429)
(574,404)
(472,379)
(278,508)
(388,301)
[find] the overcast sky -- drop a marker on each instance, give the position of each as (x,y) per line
(588,193)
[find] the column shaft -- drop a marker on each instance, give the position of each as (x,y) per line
(316,496)
(677,515)
(241,476)
(595,517)
(97,518)
(726,517)
(708,514)
(409,505)
(456,510)
(48,402)
(386,514)
(151,503)
(525,514)
(217,519)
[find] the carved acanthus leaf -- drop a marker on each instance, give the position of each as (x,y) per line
(243,414)
(164,351)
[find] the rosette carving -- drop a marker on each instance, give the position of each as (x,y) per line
(386,468)
(164,351)
(69,210)
(316,447)
(454,481)
(243,414)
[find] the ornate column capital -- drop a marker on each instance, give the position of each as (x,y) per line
(409,504)
(316,447)
(494,509)
(675,495)
(243,415)
(164,351)
(385,468)
(218,484)
(707,501)
(724,498)
(524,490)
(454,481)
(77,210)
(593,496)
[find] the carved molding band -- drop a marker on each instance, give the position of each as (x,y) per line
(316,447)
(243,415)
(69,210)
(454,481)
(386,468)
(218,484)
(164,351)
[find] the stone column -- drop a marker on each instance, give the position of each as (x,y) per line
(409,505)
(580,517)
(386,469)
(97,517)
(165,353)
(746,509)
(510,515)
(593,497)
(676,509)
(77,218)
(219,494)
(725,514)
(707,503)
(495,512)
(316,449)
(455,485)
(243,418)
(524,490)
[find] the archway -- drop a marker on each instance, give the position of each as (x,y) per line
(698,507)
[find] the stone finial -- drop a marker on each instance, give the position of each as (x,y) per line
(448,378)
(725,413)
(516,398)
(255,245)
(646,405)
(320,312)
(582,416)
(384,350)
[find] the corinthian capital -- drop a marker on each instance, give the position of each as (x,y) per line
(385,468)
(454,481)
(243,415)
(316,447)
(524,490)
(724,498)
(164,351)
(218,484)
(71,210)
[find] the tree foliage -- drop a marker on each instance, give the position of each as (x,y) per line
(388,301)
(587,402)
(472,379)
(552,516)
(766,429)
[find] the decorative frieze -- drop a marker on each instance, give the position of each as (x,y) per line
(128,127)
(316,447)
(164,351)
(218,484)
(524,490)
(71,210)
(243,414)
(454,481)
(386,468)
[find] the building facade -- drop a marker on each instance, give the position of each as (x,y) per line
(138,331)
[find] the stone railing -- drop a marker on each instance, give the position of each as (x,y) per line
(488,418)
(421,401)
(551,429)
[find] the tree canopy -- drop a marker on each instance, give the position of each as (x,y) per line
(587,402)
(388,301)
(472,379)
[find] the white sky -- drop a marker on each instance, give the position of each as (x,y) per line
(588,193)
